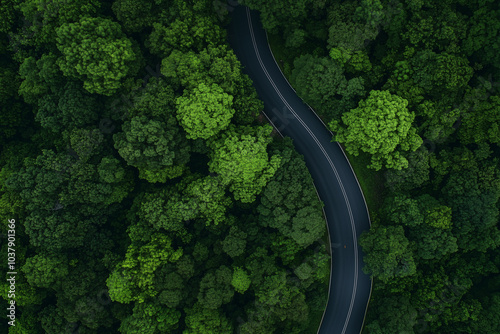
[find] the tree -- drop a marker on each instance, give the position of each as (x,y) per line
(282,299)
(488,321)
(150,318)
(172,287)
(216,288)
(286,248)
(274,15)
(191,33)
(45,270)
(132,279)
(7,16)
(426,73)
(444,30)
(203,320)
(377,126)
(205,111)
(102,57)
(40,77)
(321,82)
(403,210)
(481,122)
(349,36)
(152,146)
(387,253)
(241,282)
(396,314)
(69,108)
(242,161)
(289,202)
(207,196)
(215,64)
(432,243)
(156,101)
(134,16)
(44,17)
(480,41)
(235,242)
(439,120)
(472,193)
(307,226)
(52,182)
(193,198)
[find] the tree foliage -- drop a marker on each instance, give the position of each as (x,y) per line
(102,57)
(380,125)
(242,161)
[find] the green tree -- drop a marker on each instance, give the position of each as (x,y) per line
(241,282)
(70,107)
(322,83)
(203,320)
(396,314)
(45,17)
(274,15)
(377,126)
(235,242)
(282,299)
(432,243)
(205,111)
(481,122)
(134,16)
(242,161)
(215,64)
(387,253)
(150,318)
(426,73)
(216,288)
(480,41)
(289,203)
(488,321)
(472,193)
(443,30)
(45,270)
(192,33)
(172,287)
(132,279)
(96,51)
(403,210)
(149,145)
(40,77)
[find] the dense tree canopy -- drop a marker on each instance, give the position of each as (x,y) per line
(102,58)
(243,162)
(205,111)
(379,125)
(150,196)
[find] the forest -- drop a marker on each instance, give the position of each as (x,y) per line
(148,194)
(411,88)
(151,196)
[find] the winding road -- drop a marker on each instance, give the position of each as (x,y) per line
(345,208)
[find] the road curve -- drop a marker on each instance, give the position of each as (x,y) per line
(345,208)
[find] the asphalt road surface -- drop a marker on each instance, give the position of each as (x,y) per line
(345,209)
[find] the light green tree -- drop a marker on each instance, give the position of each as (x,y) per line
(96,51)
(382,126)
(205,111)
(241,159)
(132,279)
(241,281)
